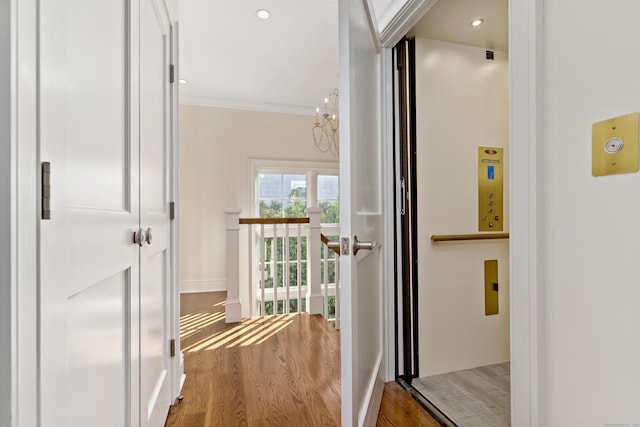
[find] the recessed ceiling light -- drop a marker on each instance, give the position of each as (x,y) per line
(477,22)
(183,81)
(263,13)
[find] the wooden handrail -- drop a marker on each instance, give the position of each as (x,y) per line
(274,220)
(326,241)
(459,237)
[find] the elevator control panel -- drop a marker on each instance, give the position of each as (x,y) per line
(614,145)
(490,189)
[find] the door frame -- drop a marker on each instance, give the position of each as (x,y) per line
(20,360)
(527,227)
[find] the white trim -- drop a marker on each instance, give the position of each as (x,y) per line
(24,209)
(388,251)
(373,23)
(388,13)
(236,104)
(8,240)
(527,227)
(406,18)
(195,286)
(177,363)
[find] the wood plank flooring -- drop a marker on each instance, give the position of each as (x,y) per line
(272,371)
(398,409)
(478,397)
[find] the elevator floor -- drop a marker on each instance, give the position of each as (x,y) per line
(478,397)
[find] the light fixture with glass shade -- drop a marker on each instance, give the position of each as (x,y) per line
(325,127)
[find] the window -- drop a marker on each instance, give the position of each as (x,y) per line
(284,189)
(282,195)
(328,198)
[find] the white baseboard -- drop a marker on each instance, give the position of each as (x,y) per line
(193,286)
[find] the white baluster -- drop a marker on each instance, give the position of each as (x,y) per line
(274,256)
(287,269)
(325,282)
(252,270)
(337,261)
(299,261)
(262,270)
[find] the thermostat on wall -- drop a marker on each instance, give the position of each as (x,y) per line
(614,145)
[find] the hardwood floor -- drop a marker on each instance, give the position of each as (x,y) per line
(399,409)
(271,371)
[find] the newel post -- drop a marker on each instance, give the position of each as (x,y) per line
(315,302)
(233,306)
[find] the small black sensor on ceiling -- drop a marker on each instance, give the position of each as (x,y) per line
(489,55)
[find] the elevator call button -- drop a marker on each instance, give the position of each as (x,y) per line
(614,145)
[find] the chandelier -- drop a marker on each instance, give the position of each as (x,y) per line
(325,128)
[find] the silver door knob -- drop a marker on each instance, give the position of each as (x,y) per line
(139,237)
(149,234)
(358,245)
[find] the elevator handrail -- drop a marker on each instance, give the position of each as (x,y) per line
(459,237)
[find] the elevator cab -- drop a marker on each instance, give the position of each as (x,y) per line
(452,177)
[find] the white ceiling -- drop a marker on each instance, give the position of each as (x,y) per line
(289,62)
(231,58)
(449,20)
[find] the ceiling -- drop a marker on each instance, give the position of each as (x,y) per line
(230,57)
(289,62)
(449,20)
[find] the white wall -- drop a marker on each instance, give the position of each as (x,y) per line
(462,103)
(215,147)
(592,285)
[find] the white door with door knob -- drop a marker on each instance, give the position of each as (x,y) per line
(361,216)
(104,273)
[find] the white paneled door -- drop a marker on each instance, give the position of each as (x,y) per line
(103,299)
(154,216)
(360,215)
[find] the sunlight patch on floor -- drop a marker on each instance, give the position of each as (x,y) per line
(249,332)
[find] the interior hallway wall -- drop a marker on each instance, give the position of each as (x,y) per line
(462,103)
(590,241)
(215,147)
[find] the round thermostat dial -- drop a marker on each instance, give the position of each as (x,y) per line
(614,145)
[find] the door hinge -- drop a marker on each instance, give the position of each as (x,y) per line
(172,73)
(46,190)
(172,210)
(172,348)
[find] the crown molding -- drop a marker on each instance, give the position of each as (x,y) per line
(404,17)
(247,105)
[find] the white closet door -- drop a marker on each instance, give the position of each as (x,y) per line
(154,214)
(89,264)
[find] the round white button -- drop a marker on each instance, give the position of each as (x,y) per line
(613,145)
